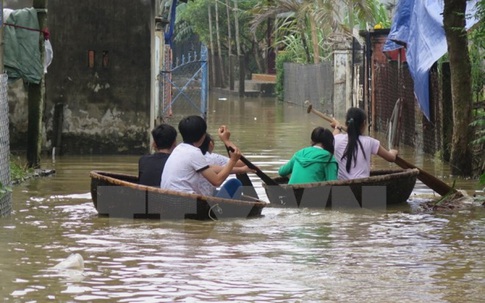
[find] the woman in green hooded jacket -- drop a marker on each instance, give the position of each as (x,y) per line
(315,163)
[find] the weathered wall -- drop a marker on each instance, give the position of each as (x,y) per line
(312,82)
(105,108)
(17,107)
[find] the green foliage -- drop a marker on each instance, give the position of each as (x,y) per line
(375,13)
(19,172)
(477,52)
(193,17)
(291,19)
(281,58)
(476,40)
(294,49)
(4,189)
(295,19)
(479,124)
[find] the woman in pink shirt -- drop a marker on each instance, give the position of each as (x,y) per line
(353,150)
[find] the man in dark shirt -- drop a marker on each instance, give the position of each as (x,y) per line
(150,167)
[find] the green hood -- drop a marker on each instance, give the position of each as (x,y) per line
(311,155)
(310,164)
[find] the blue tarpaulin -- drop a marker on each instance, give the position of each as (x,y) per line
(418,26)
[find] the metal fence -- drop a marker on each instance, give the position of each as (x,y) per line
(392,81)
(183,86)
(5,199)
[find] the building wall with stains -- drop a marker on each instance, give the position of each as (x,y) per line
(99,86)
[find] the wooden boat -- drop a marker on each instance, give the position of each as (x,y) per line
(382,188)
(120,195)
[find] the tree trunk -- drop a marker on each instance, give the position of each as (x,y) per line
(305,44)
(219,48)
(316,47)
(242,65)
(460,68)
(236,28)
(229,46)
(211,48)
(256,53)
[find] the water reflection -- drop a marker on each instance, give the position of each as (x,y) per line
(289,255)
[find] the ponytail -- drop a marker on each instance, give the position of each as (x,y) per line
(355,118)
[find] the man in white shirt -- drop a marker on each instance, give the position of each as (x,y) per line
(186,165)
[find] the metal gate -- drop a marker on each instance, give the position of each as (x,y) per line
(183,86)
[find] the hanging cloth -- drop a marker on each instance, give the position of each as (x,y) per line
(21,46)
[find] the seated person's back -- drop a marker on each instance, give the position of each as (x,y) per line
(315,163)
(353,150)
(150,167)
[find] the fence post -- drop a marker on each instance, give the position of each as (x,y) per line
(1,38)
(36,97)
(6,197)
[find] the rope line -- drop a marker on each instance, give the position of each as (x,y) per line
(45,32)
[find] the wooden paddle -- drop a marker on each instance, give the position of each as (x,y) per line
(266,179)
(248,188)
(431,181)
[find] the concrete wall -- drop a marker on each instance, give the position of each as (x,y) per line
(342,89)
(312,82)
(100,108)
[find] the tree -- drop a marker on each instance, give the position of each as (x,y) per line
(476,38)
(461,87)
(316,24)
(193,16)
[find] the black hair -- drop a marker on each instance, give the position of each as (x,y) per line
(204,147)
(324,137)
(192,128)
(355,118)
(164,136)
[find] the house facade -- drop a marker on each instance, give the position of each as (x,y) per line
(101,86)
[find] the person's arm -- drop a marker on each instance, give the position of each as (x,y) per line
(286,169)
(389,155)
(221,160)
(337,128)
(224,135)
(236,170)
(217,178)
(241,164)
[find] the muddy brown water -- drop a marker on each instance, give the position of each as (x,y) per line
(288,255)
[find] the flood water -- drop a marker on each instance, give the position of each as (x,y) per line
(288,255)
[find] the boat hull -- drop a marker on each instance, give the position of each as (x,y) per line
(119,195)
(382,188)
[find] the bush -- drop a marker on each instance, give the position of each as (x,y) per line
(281,58)
(19,172)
